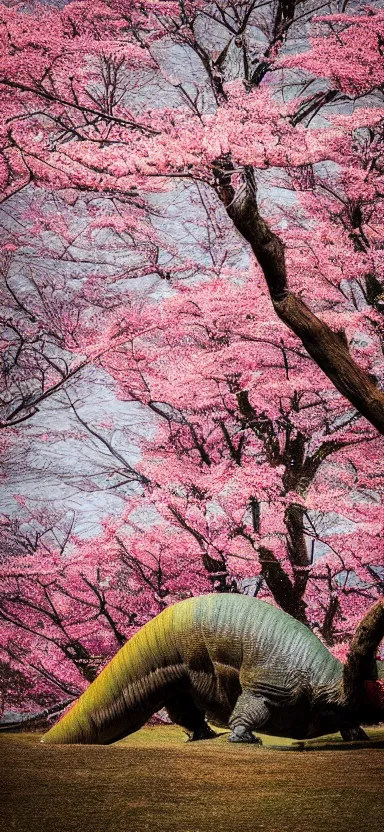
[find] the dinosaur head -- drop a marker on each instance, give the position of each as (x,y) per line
(363,675)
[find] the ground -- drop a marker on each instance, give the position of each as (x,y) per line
(156,782)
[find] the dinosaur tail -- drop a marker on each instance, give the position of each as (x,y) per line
(132,687)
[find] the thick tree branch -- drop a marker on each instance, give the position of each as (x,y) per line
(328,349)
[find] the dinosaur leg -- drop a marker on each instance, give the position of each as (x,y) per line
(184,712)
(353,732)
(250,713)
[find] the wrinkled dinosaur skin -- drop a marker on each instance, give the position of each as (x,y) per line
(229,660)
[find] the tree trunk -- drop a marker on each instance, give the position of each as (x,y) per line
(327,629)
(297,548)
(280,586)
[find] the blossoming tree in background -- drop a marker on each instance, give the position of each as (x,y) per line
(225,161)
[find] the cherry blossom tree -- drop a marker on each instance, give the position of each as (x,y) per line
(225,161)
(67,605)
(88,138)
(247,449)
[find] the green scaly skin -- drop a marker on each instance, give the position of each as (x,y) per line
(232,660)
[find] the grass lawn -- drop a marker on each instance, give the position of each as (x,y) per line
(154,781)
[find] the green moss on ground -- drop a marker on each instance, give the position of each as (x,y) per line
(154,781)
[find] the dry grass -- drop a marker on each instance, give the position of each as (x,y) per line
(155,782)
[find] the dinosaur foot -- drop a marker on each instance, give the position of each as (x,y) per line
(353,733)
(202,733)
(243,734)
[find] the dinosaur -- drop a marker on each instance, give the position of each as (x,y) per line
(232,661)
